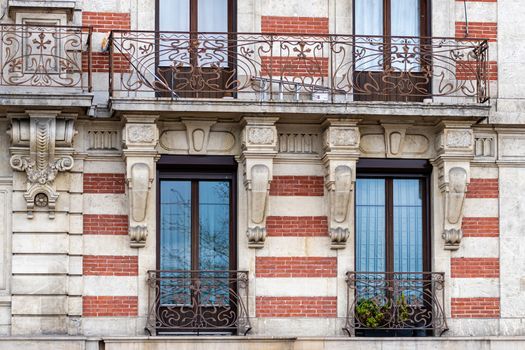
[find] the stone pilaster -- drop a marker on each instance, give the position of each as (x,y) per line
(341,151)
(259,147)
(44,222)
(455,151)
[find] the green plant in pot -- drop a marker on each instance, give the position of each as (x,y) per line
(370,313)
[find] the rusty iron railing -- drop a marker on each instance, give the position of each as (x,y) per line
(198,302)
(395,303)
(45,57)
(295,67)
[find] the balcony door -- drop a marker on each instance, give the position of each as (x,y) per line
(394,291)
(196,47)
(391,63)
(197,291)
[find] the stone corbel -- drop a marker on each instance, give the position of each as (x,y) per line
(41,147)
(140,141)
(259,146)
(341,146)
(139,184)
(257,184)
(454,182)
(340,186)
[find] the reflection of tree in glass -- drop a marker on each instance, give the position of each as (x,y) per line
(214,243)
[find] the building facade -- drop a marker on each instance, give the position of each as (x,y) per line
(256,174)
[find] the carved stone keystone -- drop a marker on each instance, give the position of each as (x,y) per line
(41,147)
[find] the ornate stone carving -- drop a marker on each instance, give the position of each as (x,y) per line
(35,144)
(260,135)
(455,191)
(258,187)
(459,138)
(141,134)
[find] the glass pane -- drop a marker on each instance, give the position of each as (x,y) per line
(405,21)
(175,240)
(368,22)
(408,226)
(174,15)
(370,225)
(213,17)
(214,240)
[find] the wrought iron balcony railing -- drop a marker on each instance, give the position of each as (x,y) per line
(44,57)
(395,303)
(198,302)
(293,68)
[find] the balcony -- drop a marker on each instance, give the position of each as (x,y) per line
(297,69)
(38,62)
(395,304)
(198,302)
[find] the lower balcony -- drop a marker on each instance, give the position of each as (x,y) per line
(200,302)
(395,304)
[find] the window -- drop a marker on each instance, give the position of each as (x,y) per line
(392,248)
(196,46)
(390,58)
(196,279)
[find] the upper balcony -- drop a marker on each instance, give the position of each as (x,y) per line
(284,72)
(45,65)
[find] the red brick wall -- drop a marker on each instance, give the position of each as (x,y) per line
(295,267)
(480,227)
(296,306)
(297,186)
(475,308)
(297,226)
(106,21)
(95,306)
(104,265)
(466,70)
(308,25)
(474,267)
(104,183)
(478,30)
(483,188)
(105,224)
(277,66)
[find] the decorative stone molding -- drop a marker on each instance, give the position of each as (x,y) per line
(41,147)
(341,145)
(140,141)
(259,147)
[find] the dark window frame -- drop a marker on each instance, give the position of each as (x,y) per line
(195,168)
(390,169)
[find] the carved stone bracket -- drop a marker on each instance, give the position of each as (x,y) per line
(455,146)
(41,147)
(259,147)
(341,146)
(140,141)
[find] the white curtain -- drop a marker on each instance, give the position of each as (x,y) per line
(368,22)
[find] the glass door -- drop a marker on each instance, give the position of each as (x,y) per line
(389,51)
(391,252)
(197,46)
(196,253)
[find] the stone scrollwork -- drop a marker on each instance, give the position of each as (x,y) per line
(258,187)
(455,192)
(35,143)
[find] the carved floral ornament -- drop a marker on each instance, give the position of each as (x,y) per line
(36,155)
